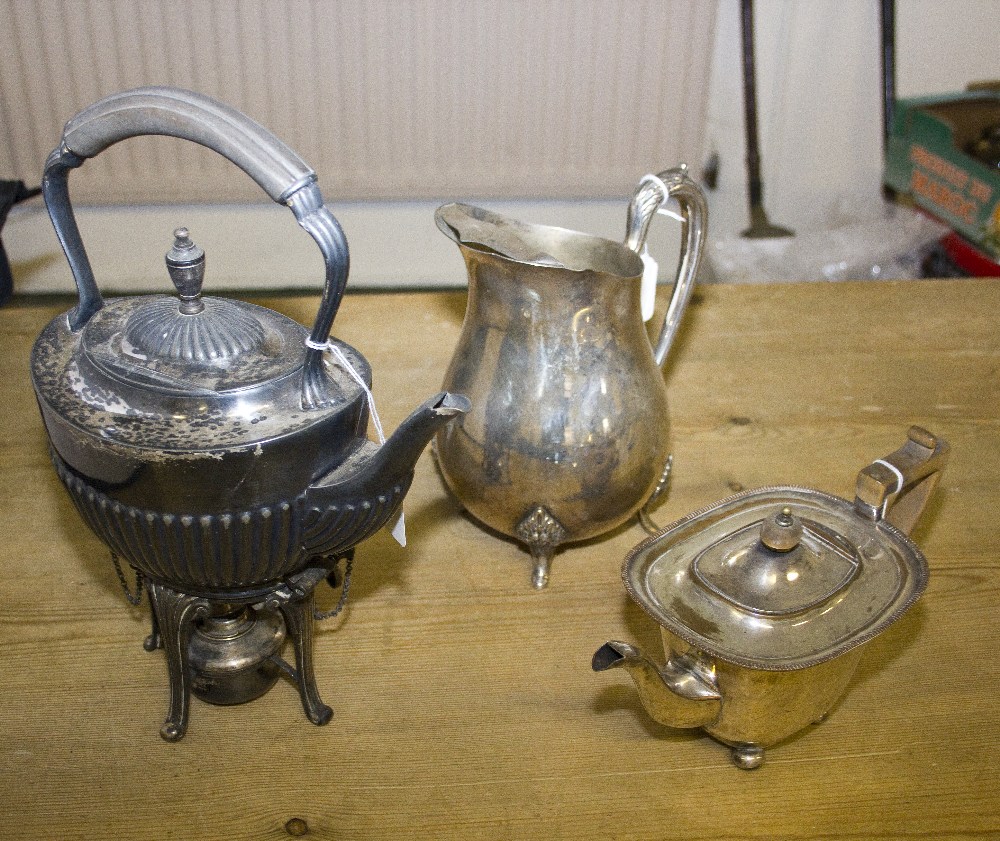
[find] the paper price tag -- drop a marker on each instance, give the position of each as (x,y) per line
(399,530)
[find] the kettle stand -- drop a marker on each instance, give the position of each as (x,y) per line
(268,613)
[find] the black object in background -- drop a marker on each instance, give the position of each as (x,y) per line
(11,193)
(760,226)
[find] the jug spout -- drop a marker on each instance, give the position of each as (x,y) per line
(483,230)
(678,695)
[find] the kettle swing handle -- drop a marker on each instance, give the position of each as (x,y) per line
(279,171)
(652,193)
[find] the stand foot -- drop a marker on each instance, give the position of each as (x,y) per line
(171,732)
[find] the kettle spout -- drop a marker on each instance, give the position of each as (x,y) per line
(399,454)
(373,470)
(360,495)
(678,695)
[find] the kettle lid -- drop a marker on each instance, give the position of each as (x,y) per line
(191,344)
(189,373)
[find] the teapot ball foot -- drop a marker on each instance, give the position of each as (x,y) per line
(748,757)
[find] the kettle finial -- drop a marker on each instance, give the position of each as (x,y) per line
(186,265)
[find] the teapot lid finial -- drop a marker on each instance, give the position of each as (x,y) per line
(782,532)
(209,330)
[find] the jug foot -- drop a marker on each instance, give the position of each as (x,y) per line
(540,573)
(542,533)
(748,757)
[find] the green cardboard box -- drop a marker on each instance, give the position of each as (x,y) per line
(929,158)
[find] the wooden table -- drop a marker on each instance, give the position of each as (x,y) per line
(465,703)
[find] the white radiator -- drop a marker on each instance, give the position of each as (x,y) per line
(385,99)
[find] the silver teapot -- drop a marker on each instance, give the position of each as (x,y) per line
(766,599)
(218,447)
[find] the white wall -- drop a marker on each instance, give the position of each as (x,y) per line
(819,89)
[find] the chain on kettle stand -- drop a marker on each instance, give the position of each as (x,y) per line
(132,599)
(345,588)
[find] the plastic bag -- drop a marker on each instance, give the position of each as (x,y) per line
(889,244)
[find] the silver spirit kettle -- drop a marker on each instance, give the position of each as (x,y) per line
(219,447)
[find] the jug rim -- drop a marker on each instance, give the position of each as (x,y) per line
(544,246)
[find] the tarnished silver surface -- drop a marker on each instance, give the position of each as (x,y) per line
(569,407)
(766,598)
(213,444)
(219,447)
(233,654)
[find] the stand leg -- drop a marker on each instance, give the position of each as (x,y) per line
(154,640)
(175,615)
(299,622)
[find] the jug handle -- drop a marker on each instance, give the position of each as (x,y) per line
(279,171)
(652,193)
(896,488)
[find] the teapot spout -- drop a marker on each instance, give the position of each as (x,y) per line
(678,695)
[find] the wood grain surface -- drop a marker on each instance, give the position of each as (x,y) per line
(465,706)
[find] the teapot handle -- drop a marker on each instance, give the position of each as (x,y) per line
(896,488)
(651,194)
(281,173)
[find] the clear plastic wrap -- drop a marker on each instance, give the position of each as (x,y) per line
(890,243)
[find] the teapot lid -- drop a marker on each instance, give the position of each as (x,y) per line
(778,578)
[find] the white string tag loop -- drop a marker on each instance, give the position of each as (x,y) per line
(399,527)
(650,268)
(900,481)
